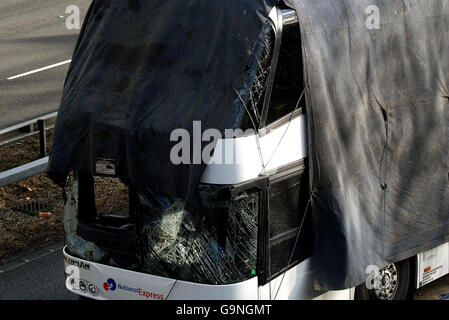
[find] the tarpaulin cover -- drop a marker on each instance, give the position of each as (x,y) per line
(144,68)
(378,111)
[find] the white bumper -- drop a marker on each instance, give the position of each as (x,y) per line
(118,284)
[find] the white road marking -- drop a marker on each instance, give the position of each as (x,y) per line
(39,70)
(32,256)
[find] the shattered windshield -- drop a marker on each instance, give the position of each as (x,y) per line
(216,244)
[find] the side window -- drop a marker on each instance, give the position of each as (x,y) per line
(288,82)
(257,73)
(288,199)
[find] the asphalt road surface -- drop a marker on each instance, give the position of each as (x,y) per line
(33,35)
(38,275)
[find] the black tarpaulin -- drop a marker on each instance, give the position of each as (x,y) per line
(144,68)
(378,112)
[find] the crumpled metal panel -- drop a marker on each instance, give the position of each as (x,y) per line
(84,249)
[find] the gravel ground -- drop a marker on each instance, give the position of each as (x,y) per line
(21,152)
(20,231)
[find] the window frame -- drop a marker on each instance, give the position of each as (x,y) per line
(289,171)
(284,17)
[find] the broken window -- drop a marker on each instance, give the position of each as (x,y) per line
(288,82)
(103,197)
(99,220)
(215,244)
(257,73)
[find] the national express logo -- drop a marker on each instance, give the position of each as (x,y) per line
(111,285)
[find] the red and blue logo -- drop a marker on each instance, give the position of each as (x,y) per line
(110,285)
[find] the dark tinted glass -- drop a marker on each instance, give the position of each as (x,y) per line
(288,82)
(287,204)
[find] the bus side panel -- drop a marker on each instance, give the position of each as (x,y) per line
(432,264)
(298,284)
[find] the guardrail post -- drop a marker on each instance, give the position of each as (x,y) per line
(42,138)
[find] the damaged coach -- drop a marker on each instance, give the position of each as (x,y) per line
(321,198)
